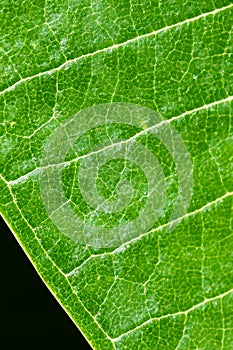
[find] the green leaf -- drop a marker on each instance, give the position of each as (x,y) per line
(106,107)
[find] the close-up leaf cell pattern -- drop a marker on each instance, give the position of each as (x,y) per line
(101,85)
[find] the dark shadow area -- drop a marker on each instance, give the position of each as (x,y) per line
(30,315)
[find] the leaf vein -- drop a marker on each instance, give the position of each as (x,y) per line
(116,46)
(185,312)
(35,171)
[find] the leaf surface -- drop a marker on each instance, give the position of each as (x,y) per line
(159,289)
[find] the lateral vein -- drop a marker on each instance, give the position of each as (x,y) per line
(116,46)
(185,312)
(24,177)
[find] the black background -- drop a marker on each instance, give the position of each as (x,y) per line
(30,315)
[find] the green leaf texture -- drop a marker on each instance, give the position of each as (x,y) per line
(162,289)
